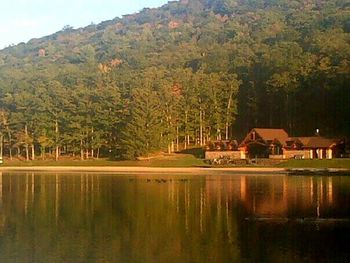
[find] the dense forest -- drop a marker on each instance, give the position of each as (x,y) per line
(177,76)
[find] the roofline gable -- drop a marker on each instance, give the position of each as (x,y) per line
(258,132)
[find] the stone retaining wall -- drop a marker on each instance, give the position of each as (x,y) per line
(297,154)
(211,155)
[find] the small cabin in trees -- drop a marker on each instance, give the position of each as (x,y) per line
(264,143)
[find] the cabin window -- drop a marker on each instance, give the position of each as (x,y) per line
(253,136)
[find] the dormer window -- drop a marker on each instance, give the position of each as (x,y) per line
(253,136)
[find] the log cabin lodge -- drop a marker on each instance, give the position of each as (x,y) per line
(274,144)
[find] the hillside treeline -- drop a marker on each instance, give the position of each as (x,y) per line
(177,76)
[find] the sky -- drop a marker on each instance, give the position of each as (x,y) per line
(22,20)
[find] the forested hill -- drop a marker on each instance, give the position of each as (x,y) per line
(179,75)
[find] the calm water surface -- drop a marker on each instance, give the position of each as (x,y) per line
(173,218)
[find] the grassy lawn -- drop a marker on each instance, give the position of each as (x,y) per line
(334,163)
(179,160)
(174,160)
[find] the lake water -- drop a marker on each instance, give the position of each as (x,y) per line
(173,218)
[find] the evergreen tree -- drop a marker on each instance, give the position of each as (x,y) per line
(142,132)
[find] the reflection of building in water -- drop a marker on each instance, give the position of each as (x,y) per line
(274,196)
(145,213)
(284,196)
(263,196)
(214,196)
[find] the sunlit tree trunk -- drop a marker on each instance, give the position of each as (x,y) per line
(177,137)
(57,150)
(10,146)
(92,142)
(186,129)
(201,127)
(33,152)
(42,151)
(289,119)
(18,151)
(26,143)
(81,150)
(228,117)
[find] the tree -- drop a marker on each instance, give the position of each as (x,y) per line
(142,132)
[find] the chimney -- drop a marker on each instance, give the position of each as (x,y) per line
(317,133)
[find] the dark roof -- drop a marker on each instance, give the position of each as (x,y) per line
(281,136)
(272,134)
(315,142)
(269,135)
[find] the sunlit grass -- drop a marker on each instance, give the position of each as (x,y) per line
(177,160)
(334,163)
(174,160)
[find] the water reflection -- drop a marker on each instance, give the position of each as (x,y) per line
(158,218)
(297,197)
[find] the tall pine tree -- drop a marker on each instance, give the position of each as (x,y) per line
(142,133)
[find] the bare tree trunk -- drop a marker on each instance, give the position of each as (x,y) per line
(98,153)
(81,150)
(168,124)
(33,152)
(42,150)
(177,137)
(1,148)
(169,148)
(186,129)
(201,127)
(289,120)
(228,116)
(57,152)
(18,151)
(10,146)
(27,152)
(92,142)
(26,144)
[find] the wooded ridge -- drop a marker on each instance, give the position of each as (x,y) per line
(177,76)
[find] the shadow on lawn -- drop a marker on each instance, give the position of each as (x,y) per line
(196,152)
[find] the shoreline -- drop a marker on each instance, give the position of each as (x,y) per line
(141,169)
(176,170)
